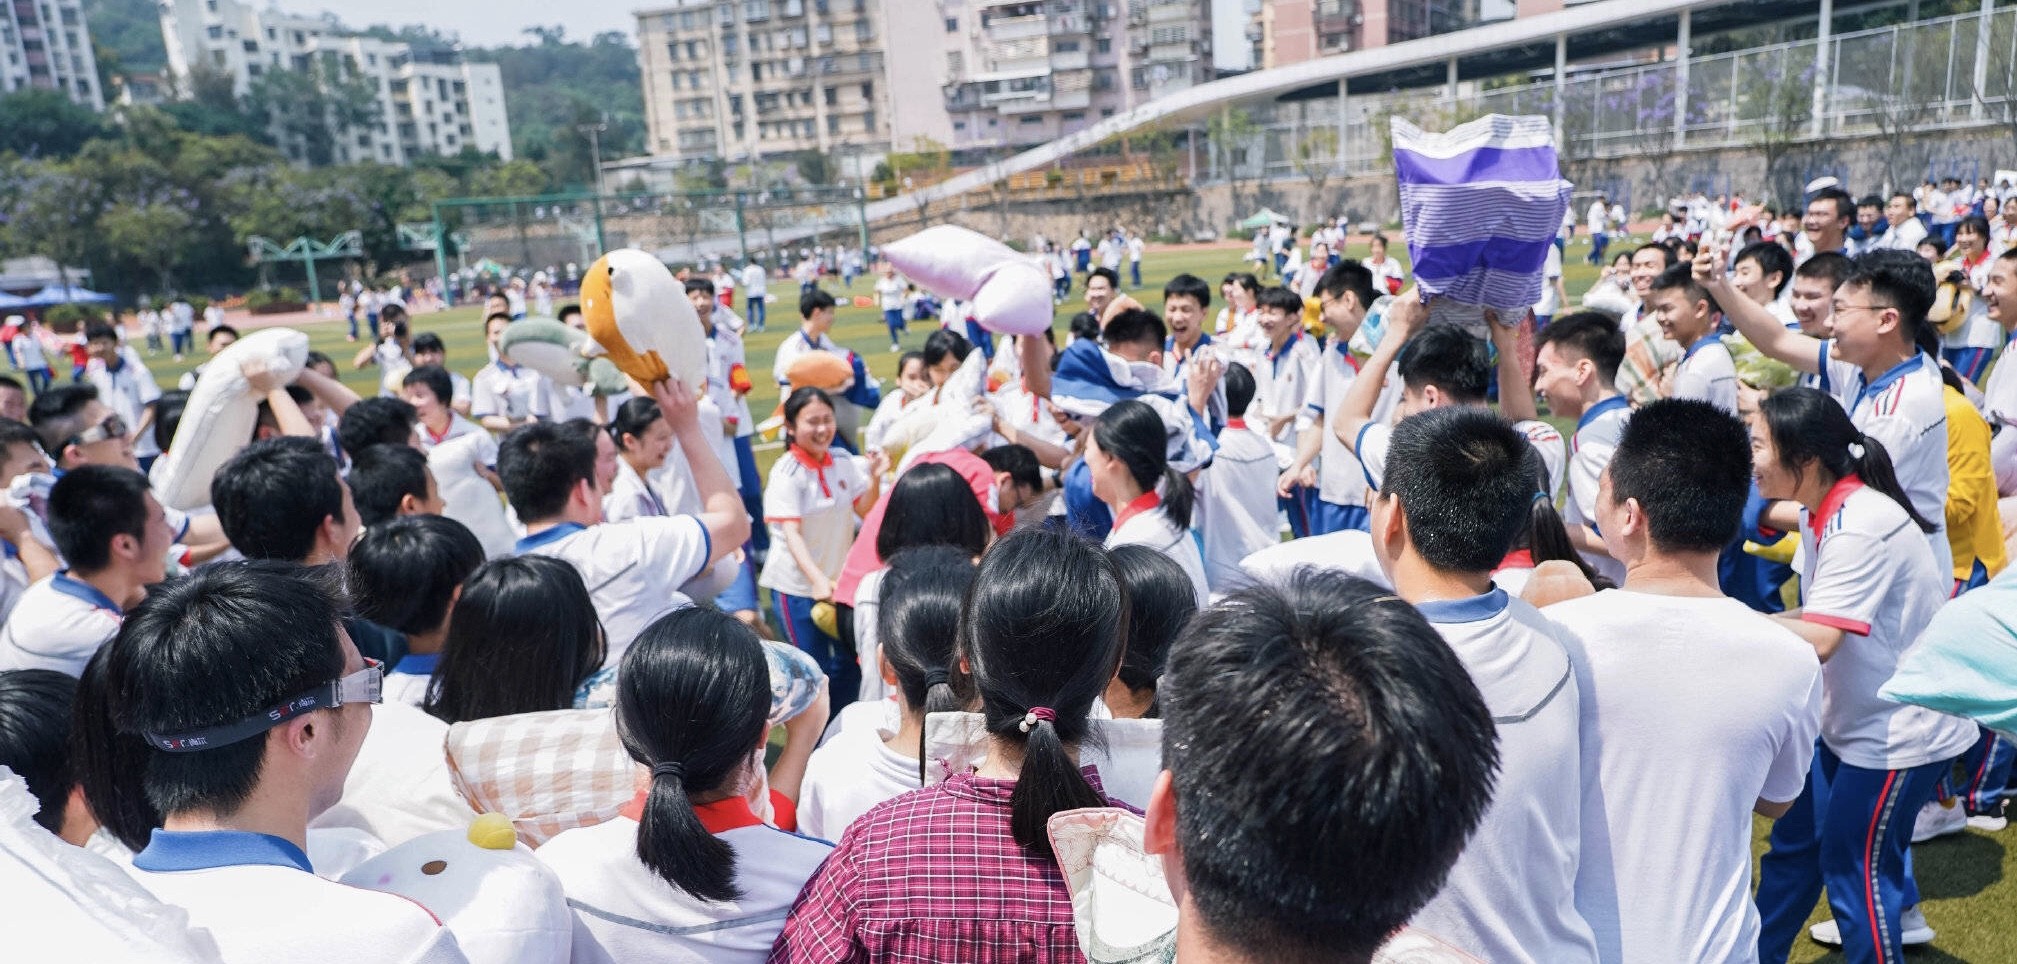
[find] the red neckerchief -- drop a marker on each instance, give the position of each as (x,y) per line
(1517,559)
(818,467)
(436,438)
(721,816)
(1236,423)
(1147,501)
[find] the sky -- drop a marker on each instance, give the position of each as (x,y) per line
(482,23)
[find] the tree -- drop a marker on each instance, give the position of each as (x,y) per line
(45,123)
(511,179)
(1232,134)
(815,167)
(212,106)
(41,215)
(1779,107)
(313,109)
(151,232)
(1316,158)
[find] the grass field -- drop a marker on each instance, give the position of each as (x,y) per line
(1963,878)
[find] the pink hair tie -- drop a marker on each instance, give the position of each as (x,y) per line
(1044,713)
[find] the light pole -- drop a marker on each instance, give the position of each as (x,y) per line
(594,132)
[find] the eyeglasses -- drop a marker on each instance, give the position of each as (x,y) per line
(364,686)
(113,427)
(1839,307)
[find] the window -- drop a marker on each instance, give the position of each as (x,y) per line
(832,97)
(1106,112)
(755,10)
(1075,115)
(823,34)
(794,8)
(1065,46)
(955,62)
(251,46)
(864,31)
(672,51)
(833,123)
(728,45)
(1103,45)
(693,50)
(253,70)
(868,121)
(952,25)
(675,80)
(735,104)
(756,71)
(868,91)
(216,31)
(959,125)
(1030,120)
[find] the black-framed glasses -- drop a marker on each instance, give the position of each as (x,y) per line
(364,686)
(113,427)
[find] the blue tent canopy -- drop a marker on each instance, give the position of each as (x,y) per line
(68,295)
(10,301)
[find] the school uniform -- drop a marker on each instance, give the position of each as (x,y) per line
(1693,709)
(1030,415)
(1870,573)
(624,911)
(1970,346)
(1511,896)
(1340,501)
(1143,523)
(1236,507)
(631,495)
(818,495)
(1287,381)
(59,623)
(399,787)
(407,682)
(513,391)
(260,900)
(1595,440)
(633,569)
(127,389)
(13,579)
(1906,409)
(849,775)
(1708,373)
(1349,551)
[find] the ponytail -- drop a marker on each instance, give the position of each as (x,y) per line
(1133,432)
(1874,466)
(692,701)
(1548,540)
(922,593)
(1042,635)
(1177,497)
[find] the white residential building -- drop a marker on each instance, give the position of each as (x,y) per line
(430,100)
(46,45)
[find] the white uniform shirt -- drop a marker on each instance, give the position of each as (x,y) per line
(13,579)
(127,391)
(1349,551)
(1708,373)
(1978,330)
(1287,381)
(1551,271)
(1598,432)
(1900,237)
(1693,710)
(796,344)
(1906,409)
(1511,896)
(890,291)
(260,901)
(820,498)
(755,282)
(632,495)
(58,624)
(1870,573)
(633,569)
(623,911)
(1999,407)
(399,787)
(1340,478)
(1143,523)
(1376,437)
(1236,509)
(848,776)
(515,392)
(1030,414)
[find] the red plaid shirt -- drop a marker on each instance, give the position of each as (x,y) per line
(933,876)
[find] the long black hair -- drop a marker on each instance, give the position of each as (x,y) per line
(1546,536)
(1161,602)
(1808,425)
(1132,432)
(932,504)
(923,592)
(797,401)
(522,639)
(692,700)
(632,418)
(1041,636)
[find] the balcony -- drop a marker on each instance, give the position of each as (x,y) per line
(1070,60)
(1004,29)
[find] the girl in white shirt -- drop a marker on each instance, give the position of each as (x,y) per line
(1160,604)
(931,505)
(911,385)
(643,440)
(1151,501)
(686,871)
(1871,585)
(923,590)
(811,505)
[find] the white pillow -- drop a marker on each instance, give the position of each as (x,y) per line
(221,415)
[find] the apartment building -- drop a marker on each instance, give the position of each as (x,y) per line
(46,45)
(429,100)
(1292,31)
(740,80)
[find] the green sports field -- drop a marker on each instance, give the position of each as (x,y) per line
(1963,878)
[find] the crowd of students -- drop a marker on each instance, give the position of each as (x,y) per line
(1543,732)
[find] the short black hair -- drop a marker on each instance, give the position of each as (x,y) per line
(1239,383)
(99,331)
(1281,299)
(216,330)
(1681,278)
(1457,473)
(1021,464)
(274,624)
(404,573)
(1688,463)
(540,464)
(35,737)
(1244,279)
(1113,277)
(700,283)
(14,433)
(428,341)
(1189,286)
(1085,326)
(273,496)
(1447,356)
(381,476)
(1307,726)
(9,381)
(376,421)
(813,300)
(1845,205)
(1161,601)
(1136,326)
(932,504)
(1351,276)
(941,343)
(437,381)
(58,415)
(1834,266)
(1666,253)
(89,506)
(168,410)
(1903,279)
(1771,258)
(567,309)
(1587,334)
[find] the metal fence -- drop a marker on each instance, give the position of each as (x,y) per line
(1948,73)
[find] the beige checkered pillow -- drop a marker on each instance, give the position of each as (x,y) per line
(548,772)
